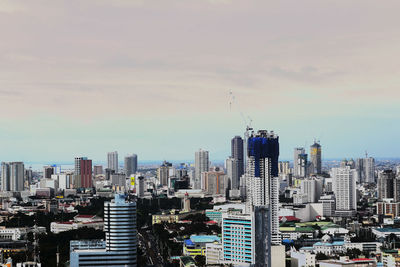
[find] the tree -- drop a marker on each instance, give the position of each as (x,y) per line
(321,256)
(200,260)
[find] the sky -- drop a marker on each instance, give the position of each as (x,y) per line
(80,78)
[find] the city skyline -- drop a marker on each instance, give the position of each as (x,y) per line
(91,84)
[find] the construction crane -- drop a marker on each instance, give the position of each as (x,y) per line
(247,119)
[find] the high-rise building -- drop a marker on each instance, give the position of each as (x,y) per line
(120,247)
(83,172)
(12,176)
(299,162)
(97,169)
(130,165)
(237,161)
(366,169)
(140,187)
(369,169)
(315,158)
(283,167)
(312,189)
(214,182)
(112,161)
(48,171)
(246,239)
(201,164)
(344,187)
(238,238)
(262,181)
(386,184)
(163,173)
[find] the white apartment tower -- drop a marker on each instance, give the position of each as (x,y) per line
(344,187)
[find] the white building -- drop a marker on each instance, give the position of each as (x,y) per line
(312,188)
(302,259)
(214,254)
(344,187)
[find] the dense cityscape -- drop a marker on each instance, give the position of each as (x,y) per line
(253,210)
(199,133)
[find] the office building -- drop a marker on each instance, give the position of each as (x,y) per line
(386,184)
(201,164)
(262,181)
(238,238)
(97,169)
(344,187)
(48,171)
(130,165)
(120,247)
(12,176)
(315,158)
(112,161)
(297,162)
(366,169)
(237,168)
(163,173)
(83,172)
(140,187)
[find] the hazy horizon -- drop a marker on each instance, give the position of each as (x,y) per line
(81,78)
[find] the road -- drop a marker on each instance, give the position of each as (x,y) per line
(150,246)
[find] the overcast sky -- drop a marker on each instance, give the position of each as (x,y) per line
(153,77)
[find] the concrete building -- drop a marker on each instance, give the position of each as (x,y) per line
(201,164)
(163,173)
(140,187)
(12,176)
(237,157)
(97,169)
(238,239)
(112,161)
(328,205)
(386,184)
(130,165)
(214,182)
(311,188)
(196,244)
(315,158)
(302,259)
(299,164)
(120,247)
(214,253)
(344,187)
(283,167)
(83,172)
(262,181)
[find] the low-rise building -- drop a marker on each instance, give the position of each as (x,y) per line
(196,244)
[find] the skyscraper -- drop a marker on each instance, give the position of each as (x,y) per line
(369,169)
(97,169)
(214,182)
(12,176)
(315,158)
(344,187)
(237,161)
(366,169)
(120,247)
(298,162)
(262,182)
(201,164)
(112,161)
(386,184)
(163,173)
(83,172)
(130,165)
